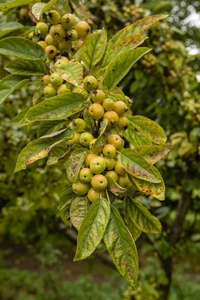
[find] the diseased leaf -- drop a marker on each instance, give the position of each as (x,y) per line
(56,153)
(9,84)
(88,120)
(49,127)
(114,187)
(6,4)
(133,228)
(39,148)
(78,211)
(21,66)
(137,166)
(65,201)
(92,228)
(72,73)
(116,94)
(9,27)
(22,47)
(93,47)
(121,247)
(120,66)
(75,163)
(152,153)
(149,129)
(142,217)
(135,137)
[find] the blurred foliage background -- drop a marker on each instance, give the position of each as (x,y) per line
(37,251)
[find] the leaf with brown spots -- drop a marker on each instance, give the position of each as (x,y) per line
(65,201)
(121,247)
(152,153)
(72,73)
(78,211)
(114,187)
(134,230)
(75,163)
(135,137)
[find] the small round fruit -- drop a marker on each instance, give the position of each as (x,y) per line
(89,157)
(60,64)
(129,112)
(108,104)
(112,174)
(79,45)
(57,32)
(78,124)
(42,29)
(96,111)
(115,140)
(82,29)
(85,139)
(119,169)
(23,12)
(124,182)
(123,122)
(65,45)
(49,91)
(75,139)
(94,195)
(64,58)
(97,165)
(80,188)
(97,149)
(43,44)
(62,89)
(110,163)
(46,79)
(68,21)
(50,41)
(109,150)
(99,182)
(90,83)
(98,96)
(85,175)
(55,79)
(120,107)
(81,91)
(72,34)
(51,51)
(53,17)
(112,118)
(31,34)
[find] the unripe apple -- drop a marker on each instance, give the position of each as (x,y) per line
(78,124)
(62,89)
(97,165)
(98,96)
(115,140)
(90,83)
(99,182)
(85,175)
(55,79)
(110,163)
(53,17)
(119,169)
(85,139)
(51,51)
(49,91)
(109,150)
(96,111)
(108,104)
(80,188)
(94,195)
(89,157)
(124,182)
(75,139)
(68,21)
(112,118)
(60,64)
(97,149)
(112,174)
(120,107)
(82,29)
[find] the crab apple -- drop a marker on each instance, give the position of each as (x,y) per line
(51,51)
(109,150)
(57,32)
(120,107)
(81,91)
(85,175)
(119,169)
(79,45)
(50,41)
(90,83)
(68,21)
(75,139)
(89,157)
(72,34)
(110,163)
(82,29)
(43,44)
(112,118)
(94,195)
(78,124)
(97,165)
(99,182)
(97,149)
(62,89)
(108,104)
(80,188)
(49,91)
(65,45)
(60,64)
(46,79)
(123,122)
(96,111)
(31,34)
(115,140)
(98,96)
(42,28)
(85,139)
(53,17)
(124,182)
(112,174)
(55,79)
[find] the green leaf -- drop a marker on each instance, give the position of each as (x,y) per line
(135,137)
(22,47)
(39,8)
(149,129)
(65,201)
(72,73)
(136,28)
(21,66)
(75,163)
(101,141)
(19,117)
(120,66)
(92,228)
(152,153)
(55,108)
(39,148)
(58,153)
(9,84)
(137,166)
(88,120)
(78,211)
(93,47)
(114,187)
(157,190)
(48,127)
(116,94)
(9,27)
(121,247)
(6,4)
(142,217)
(129,42)
(134,230)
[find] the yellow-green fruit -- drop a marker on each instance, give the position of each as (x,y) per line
(23,12)
(98,96)
(119,169)
(53,17)
(50,41)
(112,118)
(57,32)
(109,150)
(124,182)
(49,91)
(115,140)
(123,122)
(80,188)
(110,163)
(75,139)
(89,157)
(90,83)
(79,45)
(78,124)
(55,79)
(120,107)
(31,34)
(62,89)
(81,91)
(108,104)
(82,29)
(46,79)
(68,21)
(85,139)
(72,34)
(42,29)
(95,150)
(94,195)
(99,182)
(96,111)
(42,44)
(51,51)
(65,45)
(112,174)
(60,64)
(85,175)
(97,165)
